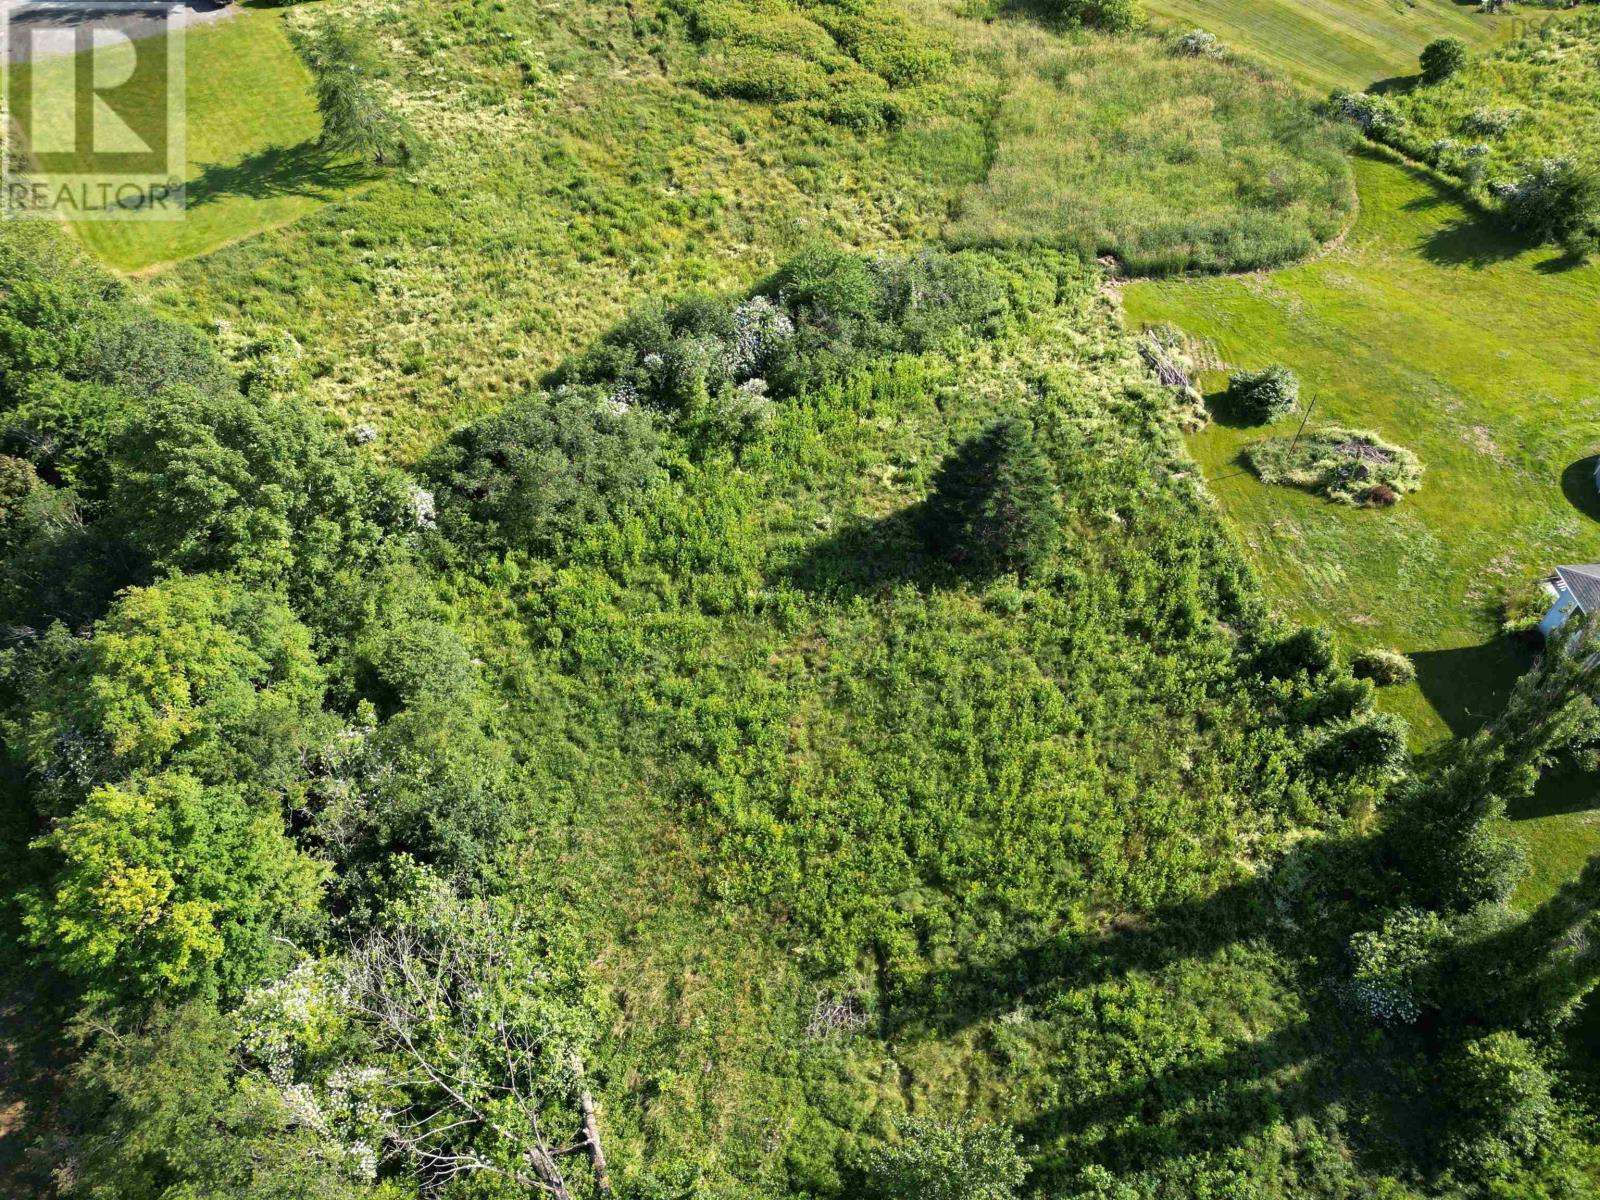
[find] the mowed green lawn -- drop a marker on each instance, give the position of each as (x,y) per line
(1429,326)
(1328,44)
(251,130)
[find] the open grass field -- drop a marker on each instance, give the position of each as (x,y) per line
(1328,44)
(252,162)
(1434,329)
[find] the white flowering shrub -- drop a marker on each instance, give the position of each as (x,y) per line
(1392,966)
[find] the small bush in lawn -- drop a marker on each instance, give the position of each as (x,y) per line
(1263,396)
(1522,608)
(1442,58)
(1386,668)
(1108,16)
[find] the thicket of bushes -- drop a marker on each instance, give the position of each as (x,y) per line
(303,789)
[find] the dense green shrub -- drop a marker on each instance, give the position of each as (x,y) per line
(715,362)
(1557,201)
(1263,396)
(1393,969)
(261,485)
(993,505)
(165,887)
(1506,1109)
(1199,43)
(947,1160)
(1442,58)
(1386,668)
(1108,16)
(548,467)
(1375,116)
(195,673)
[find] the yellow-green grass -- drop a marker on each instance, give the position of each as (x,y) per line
(1328,44)
(1166,163)
(1431,327)
(252,159)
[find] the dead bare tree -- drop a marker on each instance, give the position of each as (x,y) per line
(487,1035)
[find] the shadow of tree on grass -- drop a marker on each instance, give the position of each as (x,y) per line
(1469,685)
(304,170)
(1579,486)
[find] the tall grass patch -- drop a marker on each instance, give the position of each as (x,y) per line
(1168,163)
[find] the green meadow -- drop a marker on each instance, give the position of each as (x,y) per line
(1432,327)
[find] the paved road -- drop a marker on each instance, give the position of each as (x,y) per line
(134,22)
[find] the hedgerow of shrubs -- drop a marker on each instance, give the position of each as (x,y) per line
(1261,397)
(1514,126)
(718,361)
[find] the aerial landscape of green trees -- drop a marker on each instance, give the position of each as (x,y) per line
(666,639)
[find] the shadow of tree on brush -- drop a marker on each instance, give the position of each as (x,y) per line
(869,555)
(304,170)
(1304,910)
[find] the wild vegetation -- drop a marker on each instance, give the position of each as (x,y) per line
(630,656)
(1515,127)
(1346,465)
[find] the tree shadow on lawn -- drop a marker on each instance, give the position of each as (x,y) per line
(1472,242)
(1579,486)
(304,170)
(1567,787)
(1469,686)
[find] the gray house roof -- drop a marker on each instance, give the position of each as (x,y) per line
(1584,584)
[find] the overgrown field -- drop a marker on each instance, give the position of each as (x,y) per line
(1328,44)
(1165,162)
(626,162)
(685,613)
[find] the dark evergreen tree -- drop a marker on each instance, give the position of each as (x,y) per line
(993,507)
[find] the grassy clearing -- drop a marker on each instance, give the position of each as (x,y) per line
(1166,163)
(252,164)
(1403,330)
(1328,44)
